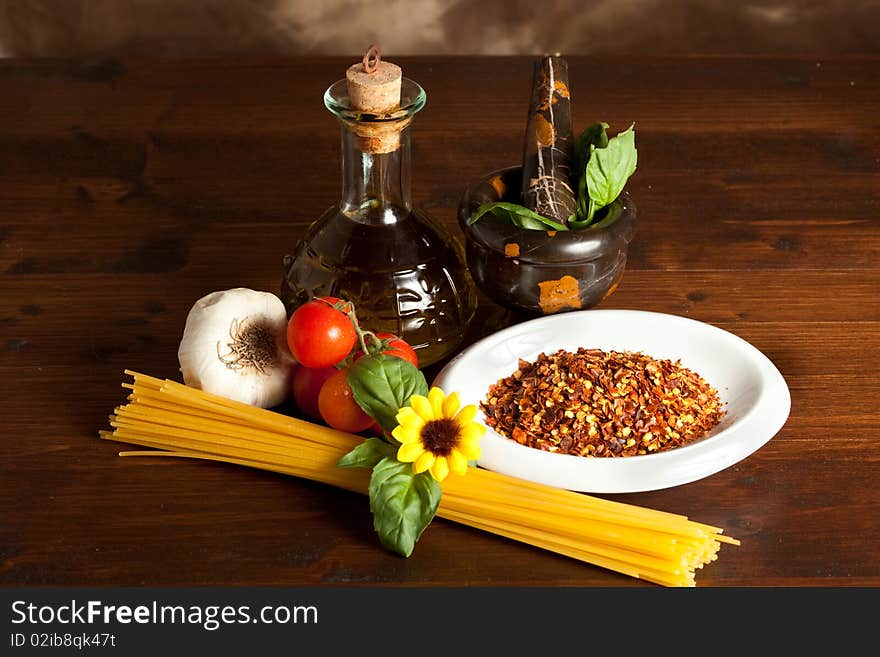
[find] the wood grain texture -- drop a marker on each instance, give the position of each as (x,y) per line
(130,188)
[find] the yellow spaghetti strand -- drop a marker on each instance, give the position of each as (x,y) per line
(173,420)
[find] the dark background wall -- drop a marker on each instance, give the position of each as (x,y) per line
(58,28)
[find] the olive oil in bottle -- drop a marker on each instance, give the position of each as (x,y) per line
(404,271)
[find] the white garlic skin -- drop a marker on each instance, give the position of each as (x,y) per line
(206,340)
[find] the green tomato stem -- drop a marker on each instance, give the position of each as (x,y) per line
(362,335)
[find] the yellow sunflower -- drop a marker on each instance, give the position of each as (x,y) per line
(435,435)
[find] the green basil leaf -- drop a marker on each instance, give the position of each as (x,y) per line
(403,504)
(494,208)
(594,136)
(518,215)
(382,384)
(367,454)
(609,168)
(615,210)
(528,222)
(591,210)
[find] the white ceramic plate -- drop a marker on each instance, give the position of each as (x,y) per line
(755,395)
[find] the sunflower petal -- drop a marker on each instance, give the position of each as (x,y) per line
(407,434)
(422,407)
(451,405)
(457,462)
(473,431)
(440,468)
(466,415)
(470,449)
(409,452)
(407,415)
(423,462)
(436,397)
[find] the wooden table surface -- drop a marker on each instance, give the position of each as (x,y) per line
(128,189)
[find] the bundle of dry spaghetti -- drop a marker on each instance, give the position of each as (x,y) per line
(184,422)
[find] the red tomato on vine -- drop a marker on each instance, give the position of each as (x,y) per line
(396,347)
(319,334)
(337,405)
(307,383)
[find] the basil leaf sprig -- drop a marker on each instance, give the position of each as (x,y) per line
(602,166)
(590,139)
(382,384)
(596,136)
(607,170)
(367,454)
(403,503)
(518,215)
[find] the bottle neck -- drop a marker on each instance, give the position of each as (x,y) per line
(375,186)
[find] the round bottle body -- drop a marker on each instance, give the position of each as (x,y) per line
(407,277)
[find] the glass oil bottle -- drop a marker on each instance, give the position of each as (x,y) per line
(404,272)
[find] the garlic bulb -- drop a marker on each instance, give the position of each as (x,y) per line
(235,345)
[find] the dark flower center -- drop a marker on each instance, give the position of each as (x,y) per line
(441,436)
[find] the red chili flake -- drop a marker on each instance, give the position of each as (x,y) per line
(597,403)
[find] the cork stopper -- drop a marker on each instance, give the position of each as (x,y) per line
(374,88)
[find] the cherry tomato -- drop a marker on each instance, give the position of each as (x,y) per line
(307,382)
(399,347)
(396,347)
(337,405)
(319,335)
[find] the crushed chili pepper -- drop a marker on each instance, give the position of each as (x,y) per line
(602,403)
